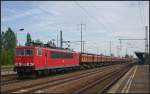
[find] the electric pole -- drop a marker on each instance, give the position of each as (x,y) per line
(110,48)
(97,50)
(126,51)
(84,46)
(57,40)
(61,39)
(118,51)
(81,28)
(81,38)
(146,39)
(105,51)
(120,47)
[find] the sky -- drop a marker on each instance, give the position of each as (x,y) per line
(104,22)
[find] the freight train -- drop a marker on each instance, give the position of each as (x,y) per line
(31,60)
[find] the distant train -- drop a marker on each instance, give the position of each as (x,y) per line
(31,60)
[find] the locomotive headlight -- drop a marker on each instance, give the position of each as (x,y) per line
(28,64)
(19,64)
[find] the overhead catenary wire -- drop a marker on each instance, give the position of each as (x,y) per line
(91,16)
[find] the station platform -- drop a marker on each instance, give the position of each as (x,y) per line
(136,80)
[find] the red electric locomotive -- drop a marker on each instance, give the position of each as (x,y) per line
(34,60)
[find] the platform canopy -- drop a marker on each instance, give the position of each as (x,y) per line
(141,56)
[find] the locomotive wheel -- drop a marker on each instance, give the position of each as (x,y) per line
(92,66)
(88,66)
(76,68)
(81,67)
(64,70)
(95,65)
(39,73)
(20,74)
(34,74)
(46,72)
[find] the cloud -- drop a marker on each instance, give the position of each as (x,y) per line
(29,12)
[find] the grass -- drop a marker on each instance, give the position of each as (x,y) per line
(7,65)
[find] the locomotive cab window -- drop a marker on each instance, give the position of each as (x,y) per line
(20,52)
(29,52)
(24,52)
(39,51)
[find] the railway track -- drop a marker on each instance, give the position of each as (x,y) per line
(101,86)
(50,82)
(62,81)
(79,85)
(8,79)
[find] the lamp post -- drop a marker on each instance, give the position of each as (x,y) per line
(16,34)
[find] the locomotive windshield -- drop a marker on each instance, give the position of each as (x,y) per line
(24,52)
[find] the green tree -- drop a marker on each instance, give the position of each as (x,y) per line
(29,40)
(9,40)
(3,57)
(0,41)
(8,44)
(0,45)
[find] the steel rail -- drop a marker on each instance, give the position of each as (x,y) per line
(52,81)
(117,74)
